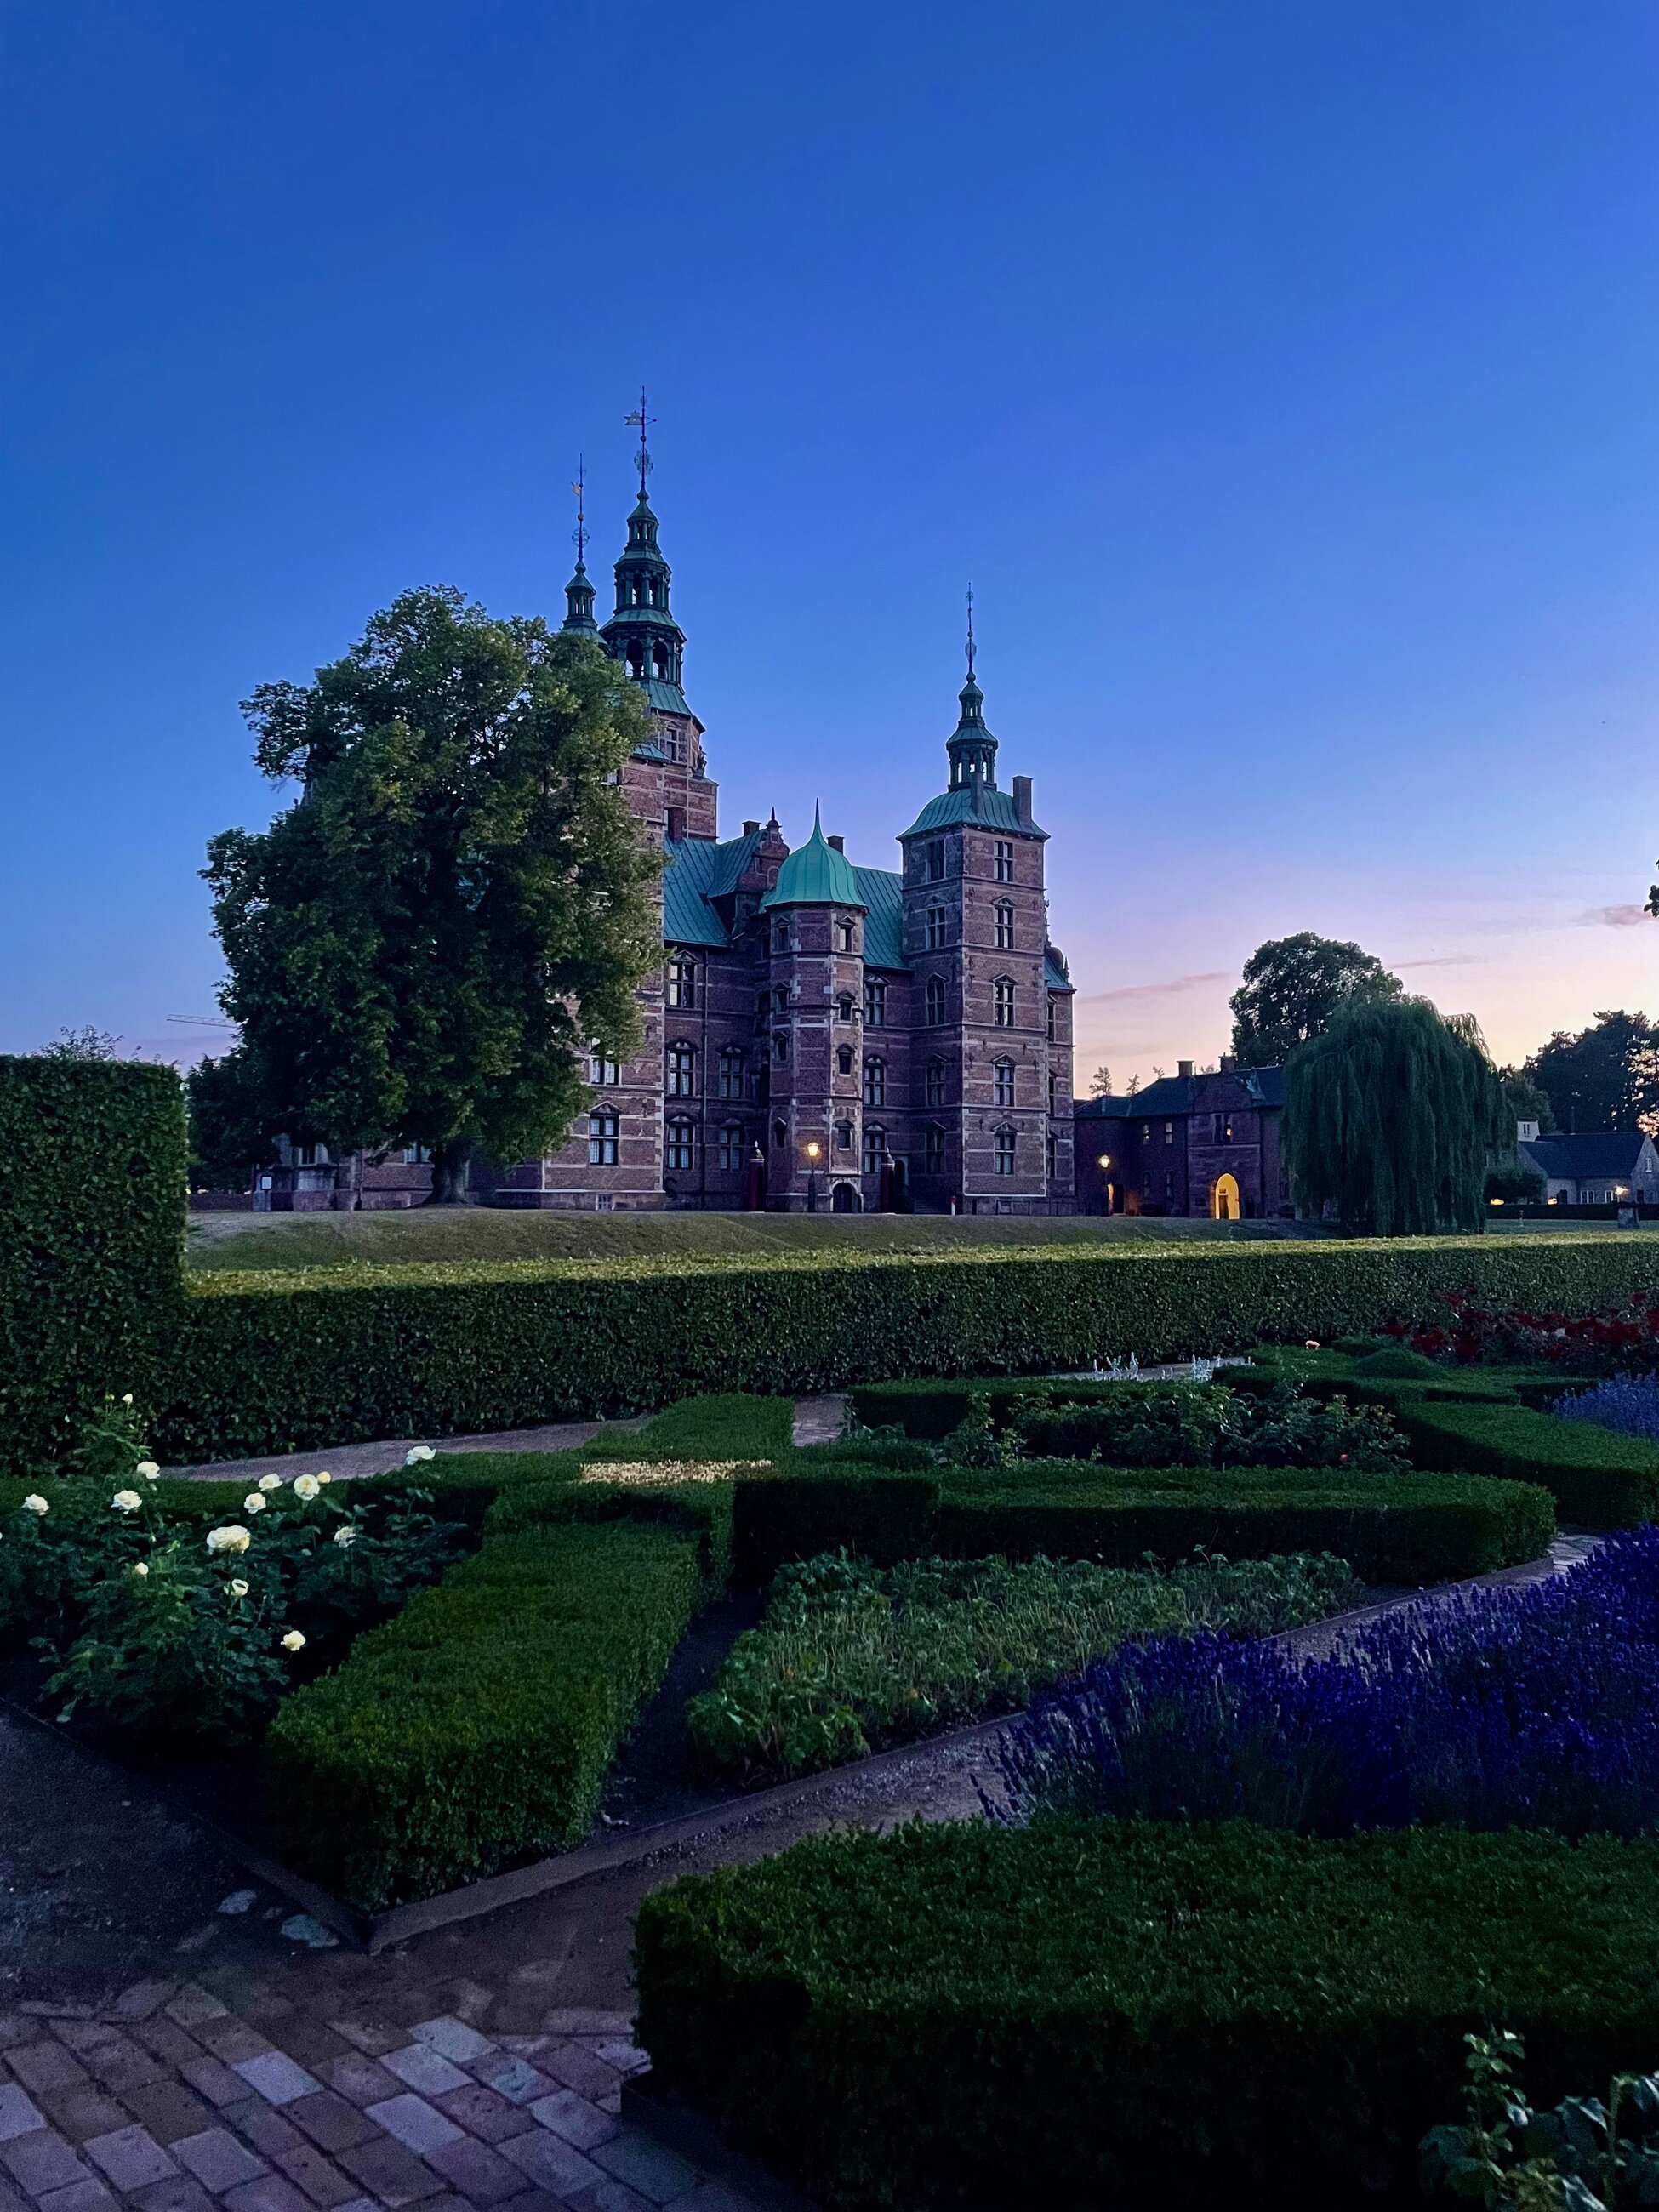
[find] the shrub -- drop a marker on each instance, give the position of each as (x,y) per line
(883,1517)
(1210,1426)
(1598,1478)
(1098,2013)
(850,1659)
(703,1515)
(91,1232)
(1628,1403)
(473,1732)
(1585,2154)
(1583,1336)
(268,1361)
(1535,1707)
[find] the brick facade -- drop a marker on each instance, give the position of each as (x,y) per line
(1173,1148)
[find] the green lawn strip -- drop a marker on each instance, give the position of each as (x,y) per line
(474,1732)
(1100,2013)
(1599,1478)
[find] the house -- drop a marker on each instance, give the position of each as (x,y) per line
(1190,1144)
(1596,1167)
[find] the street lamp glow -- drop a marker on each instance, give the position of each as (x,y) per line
(812,1152)
(1104,1161)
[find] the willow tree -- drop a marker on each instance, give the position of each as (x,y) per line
(1391,1118)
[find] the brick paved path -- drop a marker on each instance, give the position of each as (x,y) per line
(171,2100)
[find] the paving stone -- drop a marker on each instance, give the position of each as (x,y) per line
(271,2192)
(267,2130)
(423,2070)
(533,2200)
(214,2079)
(217,2160)
(482,2175)
(371,2036)
(277,2077)
(83,2112)
(42,2159)
(321,2178)
(526,2047)
(414,2123)
(396,2175)
(265,2006)
(180,2194)
(15,2028)
(19,2114)
(627,2058)
(453,2039)
(130,2157)
(167,2109)
(632,2156)
(231,2040)
(551,2164)
(167,2041)
(358,2204)
(611,2197)
(512,2077)
(328,2120)
(142,2000)
(11,2201)
(579,2020)
(194,2005)
(574,2119)
(574,2065)
(86,2196)
(47,2065)
(483,2113)
(360,2079)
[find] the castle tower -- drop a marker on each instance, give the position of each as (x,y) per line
(814,918)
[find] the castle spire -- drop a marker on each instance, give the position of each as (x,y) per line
(972,749)
(578,592)
(642,634)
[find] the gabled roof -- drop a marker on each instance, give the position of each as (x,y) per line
(696,871)
(882,890)
(1613,1152)
(815,874)
(978,802)
(1172,1096)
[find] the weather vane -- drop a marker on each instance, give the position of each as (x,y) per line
(579,534)
(970,633)
(639,421)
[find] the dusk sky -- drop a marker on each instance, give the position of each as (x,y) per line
(1283,373)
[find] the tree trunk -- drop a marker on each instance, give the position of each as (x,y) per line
(449,1163)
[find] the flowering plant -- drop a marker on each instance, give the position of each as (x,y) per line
(112,1447)
(1615,1340)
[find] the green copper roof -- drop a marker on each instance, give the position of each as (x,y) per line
(978,803)
(667,698)
(882,893)
(816,875)
(1055,974)
(697,872)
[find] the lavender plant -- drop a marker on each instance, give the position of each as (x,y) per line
(1629,1403)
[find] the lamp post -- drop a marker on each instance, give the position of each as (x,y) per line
(812,1176)
(1103,1163)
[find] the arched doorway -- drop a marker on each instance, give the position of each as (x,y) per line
(1224,1199)
(845,1199)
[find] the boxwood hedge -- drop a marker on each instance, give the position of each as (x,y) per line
(1104,2014)
(1599,1478)
(269,1362)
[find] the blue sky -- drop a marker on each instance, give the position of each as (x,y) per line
(1284,375)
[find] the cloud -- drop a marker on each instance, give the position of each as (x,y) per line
(1157,990)
(1613,917)
(1442,960)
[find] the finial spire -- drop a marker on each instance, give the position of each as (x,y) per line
(580,488)
(640,419)
(970,633)
(578,592)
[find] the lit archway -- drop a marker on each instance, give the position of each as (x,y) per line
(1224,1199)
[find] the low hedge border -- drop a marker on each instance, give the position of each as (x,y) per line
(1599,1478)
(475,1730)
(271,1361)
(1098,2014)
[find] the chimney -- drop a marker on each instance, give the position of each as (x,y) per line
(750,828)
(835,844)
(1229,1064)
(1183,1067)
(1023,799)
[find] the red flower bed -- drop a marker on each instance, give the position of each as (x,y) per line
(1618,1339)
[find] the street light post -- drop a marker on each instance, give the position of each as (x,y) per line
(1103,1163)
(812,1177)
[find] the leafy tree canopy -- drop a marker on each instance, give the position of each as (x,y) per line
(1526,1101)
(1291,990)
(1100,1083)
(422,947)
(1607,1077)
(82,1045)
(1391,1118)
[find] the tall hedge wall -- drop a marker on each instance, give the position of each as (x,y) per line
(92,1163)
(271,1361)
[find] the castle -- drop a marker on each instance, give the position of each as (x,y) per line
(820,1035)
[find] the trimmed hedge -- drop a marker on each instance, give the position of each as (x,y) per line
(1392,1528)
(1599,1478)
(703,1515)
(273,1361)
(92,1158)
(474,1731)
(1107,2013)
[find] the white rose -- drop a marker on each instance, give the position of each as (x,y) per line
(345,1536)
(293,1641)
(230,1538)
(323,1476)
(254,1503)
(35,1503)
(140,1569)
(148,1468)
(418,1453)
(306,1487)
(126,1501)
(238,1587)
(271,1482)
(126,1397)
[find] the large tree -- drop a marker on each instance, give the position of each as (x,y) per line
(1606,1077)
(423,945)
(1391,1118)
(1291,990)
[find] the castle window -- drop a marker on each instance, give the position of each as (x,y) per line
(875,1082)
(843,1136)
(781,935)
(780,1135)
(935,1001)
(932,1149)
(780,1044)
(935,928)
(311,1156)
(1145,1133)
(1002,1000)
(1054,1092)
(731,1153)
(1002,1083)
(1005,929)
(732,1072)
(875,1002)
(933,1084)
(844,1058)
(417,1155)
(844,936)
(682,1071)
(1002,859)
(875,1144)
(936,861)
(1050,1151)
(844,1008)
(602,1141)
(781,997)
(1169,1133)
(1224,1128)
(680,1152)
(1002,1152)
(682,982)
(600,1069)
(1053,1004)
(1169,1186)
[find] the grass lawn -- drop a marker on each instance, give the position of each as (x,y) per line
(475,1232)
